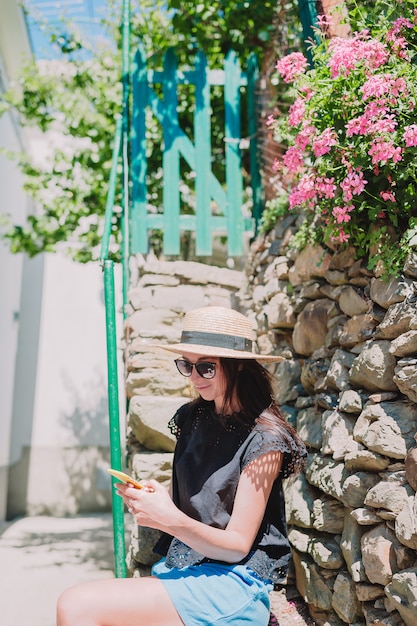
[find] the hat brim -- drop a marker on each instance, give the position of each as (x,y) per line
(228,353)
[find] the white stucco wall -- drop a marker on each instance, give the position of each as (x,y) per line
(72,360)
(11,267)
(14,48)
(60,432)
(54,434)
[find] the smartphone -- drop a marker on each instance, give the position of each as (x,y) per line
(125,478)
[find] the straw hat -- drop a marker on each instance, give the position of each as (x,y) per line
(219,332)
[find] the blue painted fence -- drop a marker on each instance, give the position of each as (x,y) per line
(218,205)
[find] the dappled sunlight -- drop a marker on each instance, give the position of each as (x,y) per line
(264,470)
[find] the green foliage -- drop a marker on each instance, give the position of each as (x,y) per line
(351,133)
(75,102)
(216,26)
(274,210)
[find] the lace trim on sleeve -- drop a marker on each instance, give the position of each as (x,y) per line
(173,426)
(265,441)
(178,420)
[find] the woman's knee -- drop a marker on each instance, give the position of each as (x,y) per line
(71,609)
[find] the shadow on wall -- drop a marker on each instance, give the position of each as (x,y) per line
(68,474)
(86,458)
(87,424)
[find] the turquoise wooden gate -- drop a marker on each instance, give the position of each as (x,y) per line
(218,205)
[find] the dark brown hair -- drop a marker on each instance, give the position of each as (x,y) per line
(250,384)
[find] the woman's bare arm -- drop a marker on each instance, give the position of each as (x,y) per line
(156,510)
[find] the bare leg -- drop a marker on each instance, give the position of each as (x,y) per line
(117,602)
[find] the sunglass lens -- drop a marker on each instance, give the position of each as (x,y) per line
(184,367)
(205,369)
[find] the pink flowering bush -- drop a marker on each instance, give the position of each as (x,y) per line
(351,137)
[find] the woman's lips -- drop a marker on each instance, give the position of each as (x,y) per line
(202,388)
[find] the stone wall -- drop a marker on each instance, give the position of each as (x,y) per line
(349,384)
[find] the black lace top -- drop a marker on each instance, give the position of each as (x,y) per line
(210,454)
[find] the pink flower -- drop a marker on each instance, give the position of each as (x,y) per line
(292,66)
(293,159)
(270,120)
(325,187)
(387,196)
(410,135)
(341,213)
(383,84)
(324,143)
(398,87)
(401,22)
(372,121)
(382,151)
(353,184)
(304,192)
(376,86)
(305,136)
(345,54)
(343,237)
(385,125)
(296,112)
(357,126)
(398,42)
(376,109)
(324,21)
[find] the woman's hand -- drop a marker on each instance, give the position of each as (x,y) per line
(151,506)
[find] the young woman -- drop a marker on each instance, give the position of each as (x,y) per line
(224,540)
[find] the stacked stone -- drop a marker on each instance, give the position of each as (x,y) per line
(349,384)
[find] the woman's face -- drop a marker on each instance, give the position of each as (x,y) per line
(213,389)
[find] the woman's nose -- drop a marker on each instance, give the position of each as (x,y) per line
(194,375)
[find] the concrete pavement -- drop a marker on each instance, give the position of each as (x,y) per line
(42,556)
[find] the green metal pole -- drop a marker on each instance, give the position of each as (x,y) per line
(125,151)
(105,242)
(114,422)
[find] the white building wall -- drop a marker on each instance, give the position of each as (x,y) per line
(60,432)
(10,281)
(54,433)
(14,46)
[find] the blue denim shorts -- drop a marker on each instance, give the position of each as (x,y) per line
(216,594)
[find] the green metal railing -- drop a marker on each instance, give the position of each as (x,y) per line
(120,153)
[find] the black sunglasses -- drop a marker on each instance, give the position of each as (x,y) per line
(205,369)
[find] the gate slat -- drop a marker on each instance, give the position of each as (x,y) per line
(218,223)
(202,138)
(187,149)
(170,158)
(233,158)
(140,92)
